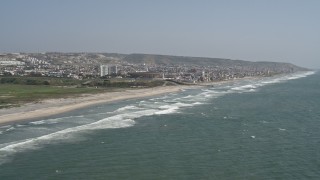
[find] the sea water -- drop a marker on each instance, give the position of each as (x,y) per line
(258,128)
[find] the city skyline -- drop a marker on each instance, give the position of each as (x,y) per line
(280,31)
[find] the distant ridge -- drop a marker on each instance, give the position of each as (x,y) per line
(203,61)
(155,59)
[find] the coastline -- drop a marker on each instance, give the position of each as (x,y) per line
(51,107)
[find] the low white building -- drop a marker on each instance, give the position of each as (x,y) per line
(7,62)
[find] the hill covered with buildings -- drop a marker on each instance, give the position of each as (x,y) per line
(113,65)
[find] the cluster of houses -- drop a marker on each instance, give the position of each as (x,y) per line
(82,66)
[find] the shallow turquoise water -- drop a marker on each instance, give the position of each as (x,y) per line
(264,128)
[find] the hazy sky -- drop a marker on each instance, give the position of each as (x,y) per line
(255,30)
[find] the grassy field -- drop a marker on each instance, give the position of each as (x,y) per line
(15,90)
(12,95)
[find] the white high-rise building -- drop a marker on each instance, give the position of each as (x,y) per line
(104,70)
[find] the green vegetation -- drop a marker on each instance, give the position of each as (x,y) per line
(40,81)
(12,95)
(15,90)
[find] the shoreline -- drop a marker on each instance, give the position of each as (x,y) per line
(51,107)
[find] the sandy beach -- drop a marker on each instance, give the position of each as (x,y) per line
(50,107)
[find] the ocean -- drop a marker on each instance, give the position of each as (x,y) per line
(257,128)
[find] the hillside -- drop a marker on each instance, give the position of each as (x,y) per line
(201,61)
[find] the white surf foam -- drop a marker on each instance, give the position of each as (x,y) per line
(119,121)
(167,111)
(245,87)
(172,108)
(10,129)
(180,104)
(57,120)
(289,77)
(198,103)
(129,107)
(38,122)
(20,125)
(150,104)
(159,98)
(188,97)
(252,87)
(4,128)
